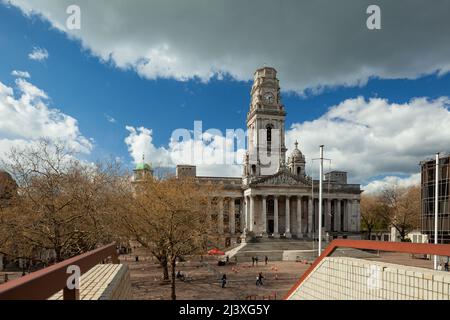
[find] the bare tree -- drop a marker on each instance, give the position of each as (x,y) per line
(61,205)
(372,213)
(168,216)
(401,207)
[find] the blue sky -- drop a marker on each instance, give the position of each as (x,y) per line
(79,84)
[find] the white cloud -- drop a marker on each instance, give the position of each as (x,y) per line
(378,185)
(208,154)
(38,54)
(140,144)
(110,118)
(27,117)
(373,137)
(366,138)
(313,44)
(20,74)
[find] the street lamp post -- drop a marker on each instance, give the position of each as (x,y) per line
(320,199)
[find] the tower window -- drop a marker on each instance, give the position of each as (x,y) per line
(254,169)
(299,170)
(269,133)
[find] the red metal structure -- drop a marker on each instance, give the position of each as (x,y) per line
(42,284)
(402,247)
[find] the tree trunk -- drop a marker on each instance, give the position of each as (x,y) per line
(165,267)
(369,233)
(172,265)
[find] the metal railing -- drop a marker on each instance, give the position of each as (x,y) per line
(42,284)
(402,247)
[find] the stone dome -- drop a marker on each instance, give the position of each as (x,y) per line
(296,154)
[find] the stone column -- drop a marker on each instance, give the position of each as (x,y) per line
(241,215)
(349,213)
(252,212)
(288,218)
(337,216)
(245,215)
(264,216)
(358,216)
(232,218)
(275,217)
(299,217)
(327,215)
(355,215)
(310,217)
(220,216)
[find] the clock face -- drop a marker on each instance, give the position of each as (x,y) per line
(269,98)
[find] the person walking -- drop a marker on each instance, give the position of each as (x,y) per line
(266,260)
(224,280)
(259,279)
(253,261)
(256,260)
(446,266)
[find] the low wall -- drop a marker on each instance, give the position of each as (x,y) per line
(103,282)
(296,255)
(340,278)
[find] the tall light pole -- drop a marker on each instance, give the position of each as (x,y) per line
(320,199)
(436,207)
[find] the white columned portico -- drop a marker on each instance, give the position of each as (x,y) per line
(220,216)
(288,218)
(275,217)
(264,216)
(299,217)
(232,212)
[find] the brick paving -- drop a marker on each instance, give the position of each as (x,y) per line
(203,279)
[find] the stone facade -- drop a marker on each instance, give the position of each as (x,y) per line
(275,197)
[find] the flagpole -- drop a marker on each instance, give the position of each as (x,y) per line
(320,199)
(436,207)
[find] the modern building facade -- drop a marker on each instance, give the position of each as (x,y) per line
(275,197)
(428,187)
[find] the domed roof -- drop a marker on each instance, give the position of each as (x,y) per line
(296,153)
(142,166)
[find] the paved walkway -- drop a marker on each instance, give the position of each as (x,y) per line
(204,279)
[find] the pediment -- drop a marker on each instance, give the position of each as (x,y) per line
(283,178)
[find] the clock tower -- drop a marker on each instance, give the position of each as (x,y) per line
(266,149)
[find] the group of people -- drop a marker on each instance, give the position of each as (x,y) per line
(259,280)
(255,260)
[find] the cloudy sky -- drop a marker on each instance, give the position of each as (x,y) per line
(138,70)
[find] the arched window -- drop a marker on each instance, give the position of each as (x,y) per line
(269,133)
(254,169)
(299,170)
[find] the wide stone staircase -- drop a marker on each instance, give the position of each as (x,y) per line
(274,249)
(289,249)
